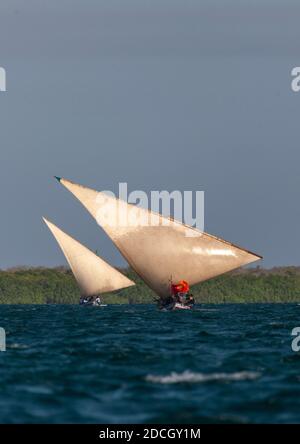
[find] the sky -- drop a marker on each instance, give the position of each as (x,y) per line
(161,94)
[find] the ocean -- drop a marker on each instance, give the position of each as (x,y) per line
(226,363)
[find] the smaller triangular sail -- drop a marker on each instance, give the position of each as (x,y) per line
(93,275)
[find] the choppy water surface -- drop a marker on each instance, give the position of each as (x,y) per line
(224,363)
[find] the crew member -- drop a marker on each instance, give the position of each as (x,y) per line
(190,299)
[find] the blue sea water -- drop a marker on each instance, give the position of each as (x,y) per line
(134,364)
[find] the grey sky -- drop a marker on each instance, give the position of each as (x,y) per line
(161,94)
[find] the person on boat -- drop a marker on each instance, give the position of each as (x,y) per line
(83,301)
(169,300)
(179,291)
(173,298)
(86,300)
(190,299)
(181,297)
(97,301)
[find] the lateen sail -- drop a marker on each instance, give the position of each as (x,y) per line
(163,249)
(93,275)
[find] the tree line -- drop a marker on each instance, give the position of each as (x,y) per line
(57,286)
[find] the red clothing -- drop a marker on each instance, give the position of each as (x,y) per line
(181,287)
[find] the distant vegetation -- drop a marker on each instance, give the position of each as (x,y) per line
(57,286)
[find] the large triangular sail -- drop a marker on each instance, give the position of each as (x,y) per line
(157,248)
(93,275)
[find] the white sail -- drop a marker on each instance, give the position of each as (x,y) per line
(158,248)
(93,275)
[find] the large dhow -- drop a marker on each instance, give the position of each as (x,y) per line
(168,255)
(93,275)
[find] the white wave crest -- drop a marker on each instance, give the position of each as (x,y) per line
(16,345)
(188,376)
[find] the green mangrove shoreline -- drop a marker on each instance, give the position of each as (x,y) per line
(57,286)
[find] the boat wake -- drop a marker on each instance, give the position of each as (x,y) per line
(191,377)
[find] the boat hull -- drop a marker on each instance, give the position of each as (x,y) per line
(177,306)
